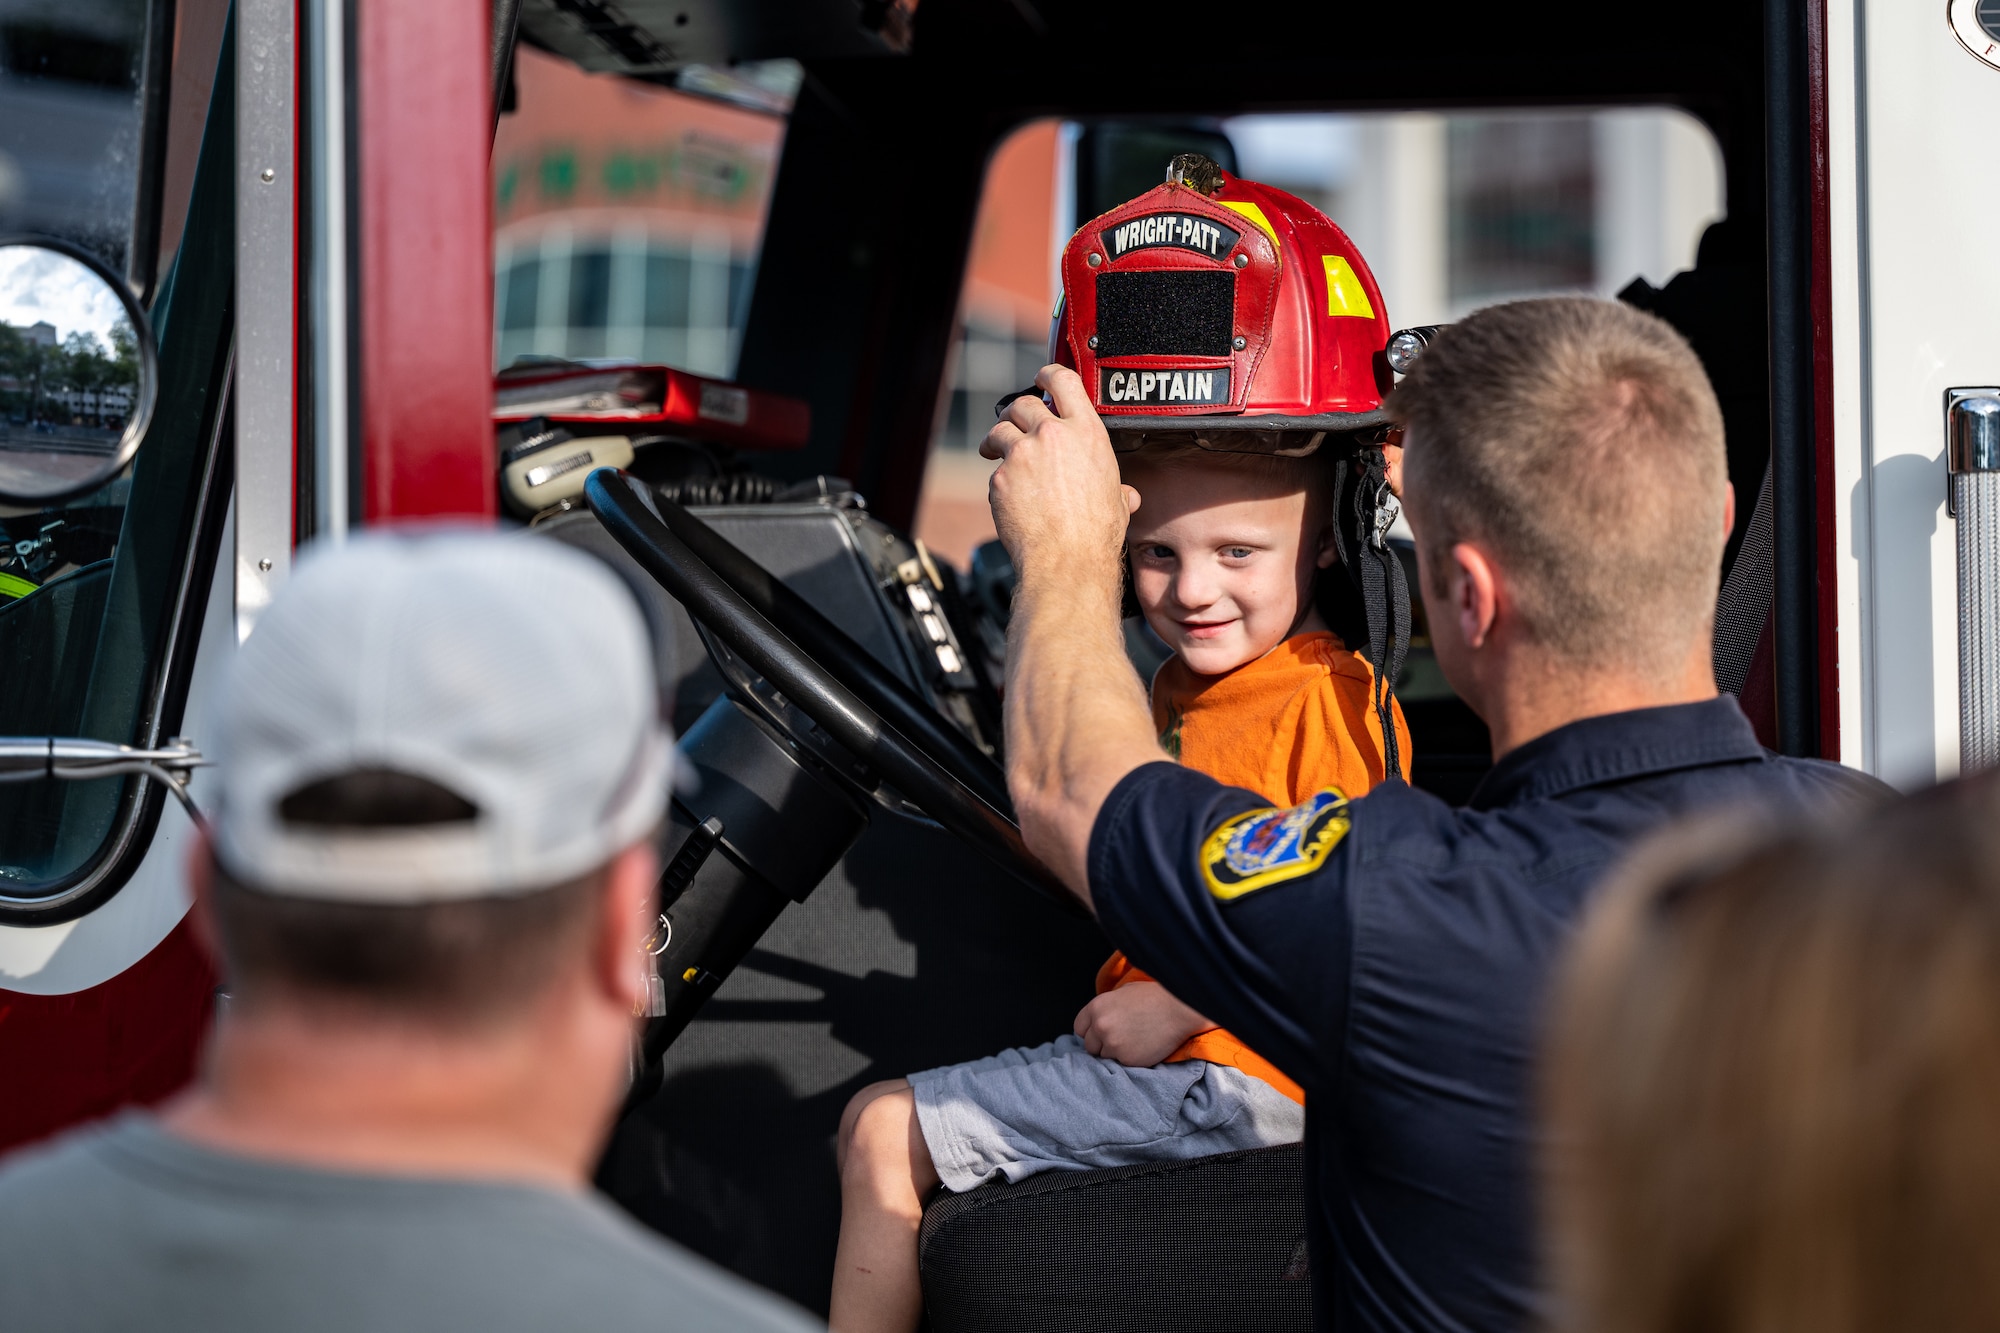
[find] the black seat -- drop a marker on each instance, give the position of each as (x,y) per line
(1218,1243)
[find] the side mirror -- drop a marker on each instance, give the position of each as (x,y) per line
(78,372)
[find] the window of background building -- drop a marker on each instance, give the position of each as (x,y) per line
(627,220)
(1452,213)
(1520,197)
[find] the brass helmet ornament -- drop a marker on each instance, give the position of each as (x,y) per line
(1213,303)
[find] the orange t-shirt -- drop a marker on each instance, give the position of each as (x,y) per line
(1296,720)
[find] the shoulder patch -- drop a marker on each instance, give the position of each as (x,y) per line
(1262,847)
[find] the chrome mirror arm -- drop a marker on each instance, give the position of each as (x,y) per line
(27,758)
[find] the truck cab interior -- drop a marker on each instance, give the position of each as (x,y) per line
(846,899)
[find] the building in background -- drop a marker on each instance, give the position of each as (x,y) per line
(627,219)
(1456,212)
(627,222)
(1452,212)
(1003,335)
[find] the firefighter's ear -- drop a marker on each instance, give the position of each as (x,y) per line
(1474,583)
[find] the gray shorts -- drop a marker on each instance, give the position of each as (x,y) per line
(1058,1107)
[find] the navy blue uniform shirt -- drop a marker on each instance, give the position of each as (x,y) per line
(1391,955)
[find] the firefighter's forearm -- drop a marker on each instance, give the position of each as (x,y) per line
(1076,716)
(1076,713)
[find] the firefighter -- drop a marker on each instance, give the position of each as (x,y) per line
(1564,474)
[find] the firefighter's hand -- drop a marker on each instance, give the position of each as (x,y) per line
(1139,1024)
(1056,497)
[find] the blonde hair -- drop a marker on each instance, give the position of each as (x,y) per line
(1773,1082)
(1580,441)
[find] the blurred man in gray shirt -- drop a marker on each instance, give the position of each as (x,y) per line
(428,880)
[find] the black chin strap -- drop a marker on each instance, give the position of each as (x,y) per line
(1385,595)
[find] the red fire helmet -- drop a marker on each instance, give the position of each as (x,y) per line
(1214,303)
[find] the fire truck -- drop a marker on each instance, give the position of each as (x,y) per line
(262,234)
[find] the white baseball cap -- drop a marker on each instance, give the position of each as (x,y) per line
(514,672)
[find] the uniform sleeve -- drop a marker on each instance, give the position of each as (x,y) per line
(1258,943)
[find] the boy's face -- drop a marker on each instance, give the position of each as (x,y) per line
(1223,560)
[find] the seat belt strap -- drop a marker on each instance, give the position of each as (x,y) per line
(1385,594)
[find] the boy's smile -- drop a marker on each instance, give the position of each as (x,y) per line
(1223,560)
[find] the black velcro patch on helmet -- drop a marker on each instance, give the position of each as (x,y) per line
(1167,312)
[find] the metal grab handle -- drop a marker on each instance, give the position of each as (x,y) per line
(25,757)
(76,759)
(1972,457)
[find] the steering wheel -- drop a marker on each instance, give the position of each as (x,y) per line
(821,675)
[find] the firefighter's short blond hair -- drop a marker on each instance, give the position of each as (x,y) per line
(1579,442)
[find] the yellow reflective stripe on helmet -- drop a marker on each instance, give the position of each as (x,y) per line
(13,585)
(1255,214)
(1344,293)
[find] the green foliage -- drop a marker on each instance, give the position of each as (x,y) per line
(80,379)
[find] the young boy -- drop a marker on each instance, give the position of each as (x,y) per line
(1224,551)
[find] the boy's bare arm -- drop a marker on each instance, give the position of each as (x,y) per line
(1076,716)
(1138,1024)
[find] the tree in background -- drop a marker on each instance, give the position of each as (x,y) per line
(81,381)
(23,366)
